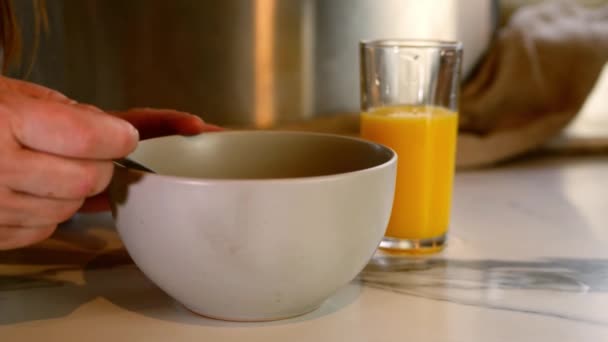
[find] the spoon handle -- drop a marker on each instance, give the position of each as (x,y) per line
(132,164)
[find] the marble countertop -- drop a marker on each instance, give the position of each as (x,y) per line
(527,260)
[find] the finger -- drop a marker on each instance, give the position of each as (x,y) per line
(95,204)
(37,91)
(16,237)
(160,122)
(22,210)
(46,175)
(71,131)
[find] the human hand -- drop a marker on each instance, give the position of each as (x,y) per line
(153,123)
(56,153)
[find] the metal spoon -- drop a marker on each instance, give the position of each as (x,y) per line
(132,164)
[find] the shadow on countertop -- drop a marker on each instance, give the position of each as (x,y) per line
(114,277)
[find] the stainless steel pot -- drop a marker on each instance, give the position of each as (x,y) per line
(238,62)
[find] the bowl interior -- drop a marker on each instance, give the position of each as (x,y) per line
(259,155)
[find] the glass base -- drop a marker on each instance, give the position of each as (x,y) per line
(414,246)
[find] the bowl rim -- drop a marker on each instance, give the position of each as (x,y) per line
(330,177)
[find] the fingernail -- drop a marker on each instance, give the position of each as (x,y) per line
(132,130)
(198,117)
(96,109)
(213,128)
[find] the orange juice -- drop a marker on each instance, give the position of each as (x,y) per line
(424,138)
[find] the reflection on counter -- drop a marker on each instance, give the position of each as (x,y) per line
(560,288)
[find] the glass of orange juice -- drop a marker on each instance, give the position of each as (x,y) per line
(409,102)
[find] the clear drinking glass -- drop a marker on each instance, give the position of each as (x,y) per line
(409,102)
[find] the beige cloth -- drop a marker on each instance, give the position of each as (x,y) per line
(535,78)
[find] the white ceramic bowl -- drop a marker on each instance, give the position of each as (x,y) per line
(254,225)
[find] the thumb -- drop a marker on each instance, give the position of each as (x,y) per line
(34,90)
